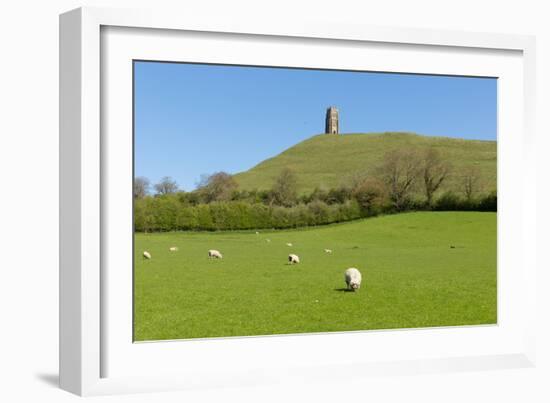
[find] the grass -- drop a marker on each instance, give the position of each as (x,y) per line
(327,160)
(411,278)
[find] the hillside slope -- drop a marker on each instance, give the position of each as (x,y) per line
(327,161)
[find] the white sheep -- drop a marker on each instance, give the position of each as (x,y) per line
(292,258)
(146,255)
(257,233)
(268,240)
(214,253)
(173,248)
(328,250)
(353,278)
(288,244)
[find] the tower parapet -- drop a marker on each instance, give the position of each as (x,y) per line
(331,121)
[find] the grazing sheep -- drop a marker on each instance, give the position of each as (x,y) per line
(292,258)
(353,278)
(173,249)
(288,244)
(214,253)
(146,255)
(268,240)
(257,233)
(328,250)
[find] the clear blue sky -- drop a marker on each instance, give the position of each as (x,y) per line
(193,119)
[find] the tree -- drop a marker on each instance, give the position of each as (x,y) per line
(338,195)
(166,186)
(141,187)
(370,194)
(219,186)
(471,179)
(284,191)
(399,171)
(434,171)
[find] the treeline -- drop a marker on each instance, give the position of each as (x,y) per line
(218,203)
(168,213)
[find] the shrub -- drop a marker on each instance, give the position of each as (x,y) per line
(370,195)
(186,219)
(319,211)
(448,201)
(489,202)
(339,195)
(179,211)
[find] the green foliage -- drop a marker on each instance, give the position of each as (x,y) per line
(489,202)
(176,212)
(411,277)
(450,201)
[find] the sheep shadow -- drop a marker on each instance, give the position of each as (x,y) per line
(343,289)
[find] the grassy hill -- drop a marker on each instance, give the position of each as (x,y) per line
(327,161)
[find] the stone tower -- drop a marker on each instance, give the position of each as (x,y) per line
(331,121)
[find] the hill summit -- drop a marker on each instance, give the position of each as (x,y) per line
(326,161)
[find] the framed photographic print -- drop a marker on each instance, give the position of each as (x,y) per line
(249,202)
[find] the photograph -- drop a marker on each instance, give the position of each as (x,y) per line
(287,200)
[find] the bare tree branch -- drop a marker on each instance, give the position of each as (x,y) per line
(434,172)
(471,181)
(166,186)
(400,170)
(141,187)
(216,187)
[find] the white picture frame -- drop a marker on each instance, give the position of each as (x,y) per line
(96,354)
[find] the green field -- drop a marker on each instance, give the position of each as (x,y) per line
(326,161)
(412,277)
